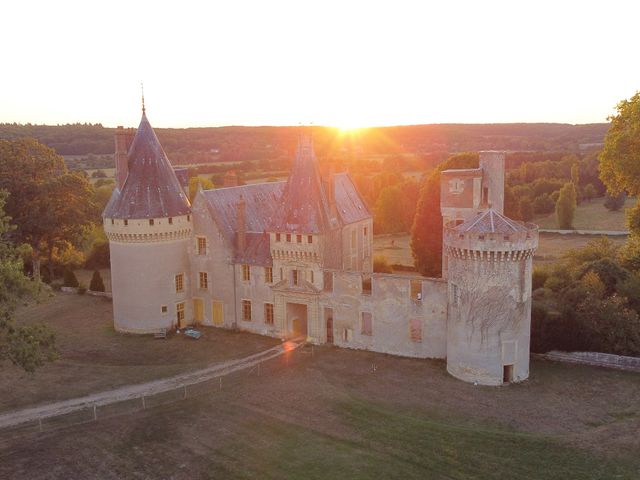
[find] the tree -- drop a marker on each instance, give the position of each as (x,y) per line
(566,206)
(70,279)
(426,233)
(620,156)
(195,182)
(615,202)
(26,346)
(589,192)
(96,284)
(388,210)
(48,204)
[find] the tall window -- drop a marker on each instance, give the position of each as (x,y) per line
(268,274)
(288,237)
(277,237)
(246,310)
(180,282)
(246,273)
(367,328)
(268,313)
(202,245)
(415,330)
(299,238)
(309,238)
(204,280)
(295,277)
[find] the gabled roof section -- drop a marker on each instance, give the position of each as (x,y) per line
(350,205)
(304,208)
(490,221)
(152,189)
(261,205)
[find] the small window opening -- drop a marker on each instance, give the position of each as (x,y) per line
(288,237)
(416,290)
(309,238)
(295,277)
(170,220)
(163,309)
(298,238)
(277,237)
(366,284)
(126,222)
(328,281)
(112,222)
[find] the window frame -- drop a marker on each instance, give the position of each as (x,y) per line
(246,310)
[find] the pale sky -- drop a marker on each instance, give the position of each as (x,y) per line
(342,63)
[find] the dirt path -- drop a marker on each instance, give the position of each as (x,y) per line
(129,392)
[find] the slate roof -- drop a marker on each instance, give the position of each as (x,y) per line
(490,221)
(304,206)
(262,201)
(350,205)
(151,189)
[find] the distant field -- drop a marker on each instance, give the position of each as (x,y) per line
(321,413)
(396,248)
(590,216)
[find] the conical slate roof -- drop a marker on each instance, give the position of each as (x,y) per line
(305,208)
(151,189)
(490,221)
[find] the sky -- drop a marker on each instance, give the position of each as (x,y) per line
(342,63)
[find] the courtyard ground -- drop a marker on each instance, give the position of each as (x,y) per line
(325,413)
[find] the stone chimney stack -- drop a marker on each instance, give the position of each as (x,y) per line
(230,179)
(121,158)
(241,227)
(492,165)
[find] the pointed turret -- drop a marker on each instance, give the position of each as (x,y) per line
(151,189)
(305,207)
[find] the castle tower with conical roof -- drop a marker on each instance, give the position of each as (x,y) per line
(489,283)
(149,227)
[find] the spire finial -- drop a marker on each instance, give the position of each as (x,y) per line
(142,88)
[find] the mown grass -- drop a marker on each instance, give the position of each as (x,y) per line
(590,215)
(389,443)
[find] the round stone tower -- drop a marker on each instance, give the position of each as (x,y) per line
(149,227)
(489,281)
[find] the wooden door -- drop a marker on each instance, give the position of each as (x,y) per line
(217,313)
(198,311)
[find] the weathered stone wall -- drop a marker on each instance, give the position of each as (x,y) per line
(144,262)
(489,318)
(392,308)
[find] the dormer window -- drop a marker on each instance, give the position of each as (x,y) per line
(298,238)
(288,237)
(277,237)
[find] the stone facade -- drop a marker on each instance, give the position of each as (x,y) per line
(294,259)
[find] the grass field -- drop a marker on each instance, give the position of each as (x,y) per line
(332,413)
(590,215)
(397,250)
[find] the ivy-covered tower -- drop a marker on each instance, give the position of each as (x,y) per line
(489,312)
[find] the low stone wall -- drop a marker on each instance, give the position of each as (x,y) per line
(598,359)
(88,292)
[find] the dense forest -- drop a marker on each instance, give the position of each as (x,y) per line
(214,144)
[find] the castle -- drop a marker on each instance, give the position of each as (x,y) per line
(294,258)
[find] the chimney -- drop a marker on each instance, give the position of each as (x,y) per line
(230,179)
(121,158)
(241,226)
(492,165)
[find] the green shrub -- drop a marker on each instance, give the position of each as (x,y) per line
(99,256)
(538,278)
(82,290)
(96,285)
(69,279)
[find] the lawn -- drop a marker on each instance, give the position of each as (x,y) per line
(335,413)
(590,215)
